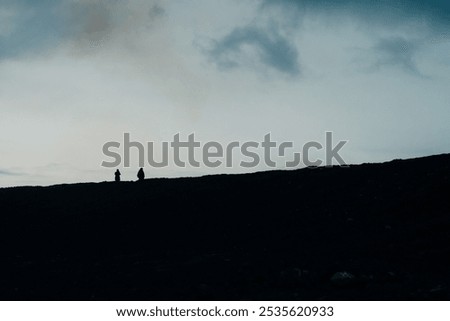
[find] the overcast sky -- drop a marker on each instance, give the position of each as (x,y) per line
(77,74)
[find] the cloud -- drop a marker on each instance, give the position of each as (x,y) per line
(97,24)
(5,172)
(396,51)
(397,29)
(436,12)
(75,74)
(386,24)
(243,45)
(31,27)
(37,27)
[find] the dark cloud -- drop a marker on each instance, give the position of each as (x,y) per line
(34,26)
(38,26)
(92,24)
(421,20)
(279,52)
(436,12)
(396,51)
(156,11)
(245,44)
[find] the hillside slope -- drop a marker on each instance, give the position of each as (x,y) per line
(273,235)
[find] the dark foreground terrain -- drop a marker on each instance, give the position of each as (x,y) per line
(373,231)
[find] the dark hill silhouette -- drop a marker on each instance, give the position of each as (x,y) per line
(287,235)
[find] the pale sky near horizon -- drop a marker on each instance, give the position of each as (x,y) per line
(77,74)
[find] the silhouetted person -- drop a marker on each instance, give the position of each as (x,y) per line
(117,176)
(141,175)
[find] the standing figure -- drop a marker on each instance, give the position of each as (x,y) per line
(117,176)
(141,174)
